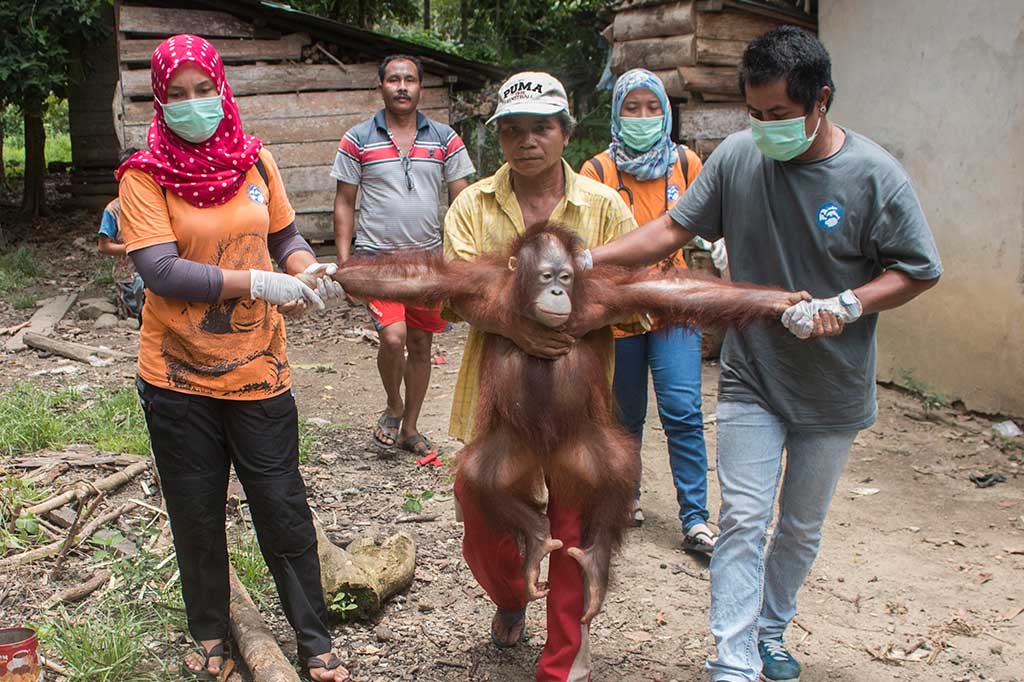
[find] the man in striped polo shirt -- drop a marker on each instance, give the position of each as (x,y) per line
(400,159)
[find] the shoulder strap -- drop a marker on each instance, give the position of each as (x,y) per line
(263,173)
(598,168)
(684,161)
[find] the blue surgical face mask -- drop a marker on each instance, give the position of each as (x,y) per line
(640,134)
(783,140)
(194,120)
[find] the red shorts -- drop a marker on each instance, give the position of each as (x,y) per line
(427,319)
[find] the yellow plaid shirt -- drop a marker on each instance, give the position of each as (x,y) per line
(486,217)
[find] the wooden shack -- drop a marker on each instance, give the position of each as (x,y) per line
(695,46)
(300,81)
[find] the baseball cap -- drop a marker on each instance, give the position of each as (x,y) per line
(530,92)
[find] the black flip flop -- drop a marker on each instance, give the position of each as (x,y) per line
(204,675)
(315,662)
(388,424)
(509,619)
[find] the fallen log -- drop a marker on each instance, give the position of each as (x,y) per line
(78,592)
(368,573)
(82,490)
(254,640)
(54,547)
(90,355)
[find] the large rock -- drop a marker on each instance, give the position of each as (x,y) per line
(106,321)
(130,323)
(93,308)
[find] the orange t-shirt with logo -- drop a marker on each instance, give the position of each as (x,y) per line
(651,198)
(231,349)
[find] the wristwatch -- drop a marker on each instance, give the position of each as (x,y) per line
(851,304)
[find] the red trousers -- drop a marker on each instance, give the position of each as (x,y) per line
(497,565)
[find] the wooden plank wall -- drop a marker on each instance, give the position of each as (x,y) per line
(94,146)
(299,110)
(695,47)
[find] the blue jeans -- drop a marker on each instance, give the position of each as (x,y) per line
(753,596)
(673,356)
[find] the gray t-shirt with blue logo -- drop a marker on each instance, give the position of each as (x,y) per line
(822,226)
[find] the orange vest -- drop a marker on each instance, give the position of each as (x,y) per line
(647,199)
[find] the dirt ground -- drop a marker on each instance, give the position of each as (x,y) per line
(919,576)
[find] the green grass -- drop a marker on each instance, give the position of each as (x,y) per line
(18,269)
(16,534)
(58,148)
(25,300)
(32,419)
(119,637)
(130,633)
(251,569)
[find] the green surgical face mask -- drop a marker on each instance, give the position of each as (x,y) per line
(194,120)
(640,134)
(782,140)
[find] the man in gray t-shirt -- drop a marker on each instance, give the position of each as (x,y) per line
(809,206)
(401,161)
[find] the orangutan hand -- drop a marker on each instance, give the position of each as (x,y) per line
(294,310)
(784,300)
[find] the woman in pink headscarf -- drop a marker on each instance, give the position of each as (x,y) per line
(203,212)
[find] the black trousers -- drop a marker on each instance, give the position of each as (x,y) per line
(195,441)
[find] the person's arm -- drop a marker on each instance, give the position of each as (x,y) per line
(647,245)
(829,316)
(108,247)
(460,245)
(344,219)
(532,338)
(901,242)
(891,289)
(455,187)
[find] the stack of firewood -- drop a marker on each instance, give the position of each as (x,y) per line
(695,46)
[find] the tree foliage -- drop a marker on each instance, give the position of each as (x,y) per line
(39,46)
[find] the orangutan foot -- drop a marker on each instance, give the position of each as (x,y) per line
(538,545)
(594,566)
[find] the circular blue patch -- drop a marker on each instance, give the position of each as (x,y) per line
(672,192)
(830,216)
(255,194)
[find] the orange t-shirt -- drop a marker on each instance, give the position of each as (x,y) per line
(651,198)
(230,349)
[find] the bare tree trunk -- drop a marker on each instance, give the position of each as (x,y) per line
(426,15)
(33,200)
(464,28)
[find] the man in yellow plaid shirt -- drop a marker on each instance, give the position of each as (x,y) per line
(534,185)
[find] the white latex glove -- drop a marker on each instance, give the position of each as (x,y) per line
(799,318)
(279,288)
(329,290)
(719,256)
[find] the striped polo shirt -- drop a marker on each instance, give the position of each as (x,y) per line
(400,195)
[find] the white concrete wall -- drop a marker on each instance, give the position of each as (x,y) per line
(940,84)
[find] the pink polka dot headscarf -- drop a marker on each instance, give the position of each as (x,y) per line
(208,173)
